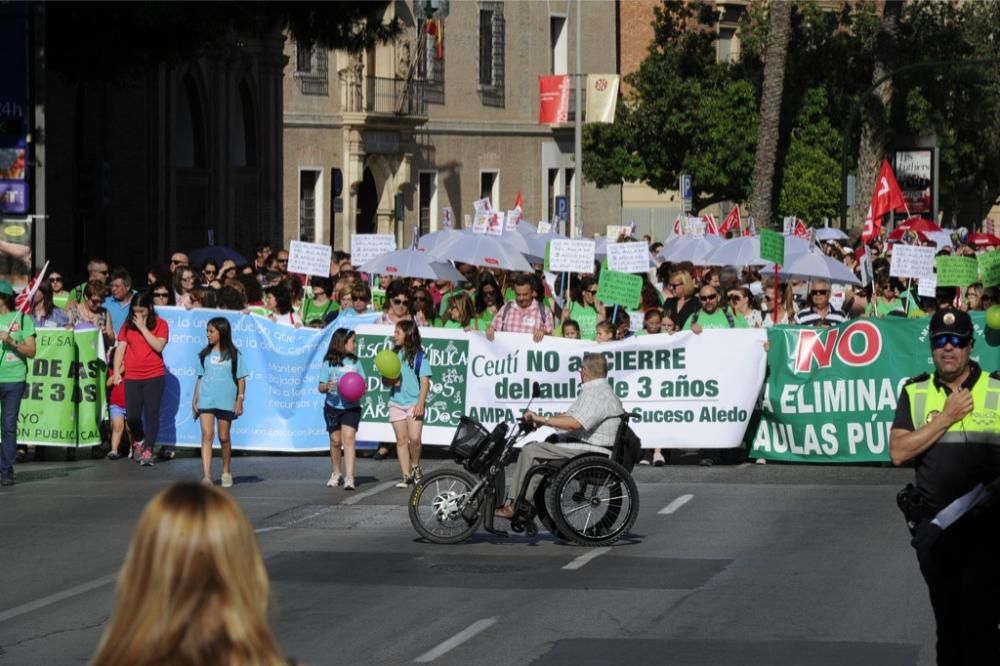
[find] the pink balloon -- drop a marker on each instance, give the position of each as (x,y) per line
(351,387)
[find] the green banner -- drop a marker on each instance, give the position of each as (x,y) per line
(989,268)
(830,394)
(614,288)
(772,246)
(446,399)
(956,271)
(64,400)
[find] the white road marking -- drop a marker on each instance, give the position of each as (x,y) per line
(354,499)
(456,640)
(37,604)
(676,504)
(586,557)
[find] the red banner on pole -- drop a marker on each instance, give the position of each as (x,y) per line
(553,99)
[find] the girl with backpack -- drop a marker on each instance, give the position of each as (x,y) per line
(407,400)
(218,395)
(342,416)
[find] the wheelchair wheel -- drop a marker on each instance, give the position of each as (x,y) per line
(436,505)
(593,501)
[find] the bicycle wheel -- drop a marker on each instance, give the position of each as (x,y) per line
(436,506)
(593,501)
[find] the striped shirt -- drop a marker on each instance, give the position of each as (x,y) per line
(808,316)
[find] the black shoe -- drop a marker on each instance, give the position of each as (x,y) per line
(381,455)
(706,462)
(7,480)
(167,453)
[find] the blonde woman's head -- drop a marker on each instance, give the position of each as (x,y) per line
(193,589)
(682,284)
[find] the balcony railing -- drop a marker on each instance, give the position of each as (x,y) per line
(397,97)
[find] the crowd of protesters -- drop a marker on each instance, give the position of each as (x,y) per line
(675,296)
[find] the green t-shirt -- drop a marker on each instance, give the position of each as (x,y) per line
(717,319)
(13,366)
(586,317)
(443,306)
(884,308)
(312,312)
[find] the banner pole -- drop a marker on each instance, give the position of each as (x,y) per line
(777,290)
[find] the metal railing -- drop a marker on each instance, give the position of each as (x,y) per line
(397,97)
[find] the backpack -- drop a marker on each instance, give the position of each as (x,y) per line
(729,318)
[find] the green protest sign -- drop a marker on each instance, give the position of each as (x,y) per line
(772,246)
(989,268)
(956,271)
(448,360)
(378,300)
(614,288)
(830,395)
(64,399)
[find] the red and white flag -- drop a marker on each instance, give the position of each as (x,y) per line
(800,229)
(732,222)
(24,300)
(886,198)
(678,226)
(711,228)
(519,201)
(553,99)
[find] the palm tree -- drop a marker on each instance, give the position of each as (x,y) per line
(875,129)
(778,30)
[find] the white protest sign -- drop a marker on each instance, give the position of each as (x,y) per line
(613,232)
(837,299)
(927,285)
(911,261)
(544,227)
(482,205)
(480,223)
(365,247)
(447,218)
(631,257)
(637,320)
(494,223)
(309,258)
(513,217)
(571,256)
(695,226)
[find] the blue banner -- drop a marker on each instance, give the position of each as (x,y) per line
(283,410)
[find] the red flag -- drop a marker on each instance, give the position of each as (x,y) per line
(710,226)
(732,222)
(678,227)
(886,198)
(23,301)
(519,201)
(801,230)
(553,99)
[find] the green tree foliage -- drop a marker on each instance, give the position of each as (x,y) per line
(810,185)
(686,114)
(114,41)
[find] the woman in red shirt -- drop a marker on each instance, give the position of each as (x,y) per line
(140,350)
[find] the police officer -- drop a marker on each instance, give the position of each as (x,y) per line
(948,423)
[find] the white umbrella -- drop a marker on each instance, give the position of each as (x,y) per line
(940,238)
(537,244)
(437,238)
(689,248)
(483,250)
(412,263)
(745,251)
(814,266)
(829,234)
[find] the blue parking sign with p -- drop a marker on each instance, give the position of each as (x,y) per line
(562,207)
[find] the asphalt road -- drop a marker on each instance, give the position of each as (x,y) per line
(751,564)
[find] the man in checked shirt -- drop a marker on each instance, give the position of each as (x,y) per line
(525,314)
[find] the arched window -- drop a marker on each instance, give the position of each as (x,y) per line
(243,135)
(189,147)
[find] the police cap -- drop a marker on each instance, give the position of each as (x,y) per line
(951,322)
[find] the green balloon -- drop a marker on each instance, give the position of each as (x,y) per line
(387,364)
(993,317)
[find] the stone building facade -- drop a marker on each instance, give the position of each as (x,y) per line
(410,128)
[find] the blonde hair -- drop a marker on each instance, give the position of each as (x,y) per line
(688,281)
(466,308)
(193,589)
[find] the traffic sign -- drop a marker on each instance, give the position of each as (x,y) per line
(687,200)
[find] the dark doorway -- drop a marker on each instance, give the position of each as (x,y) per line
(367,205)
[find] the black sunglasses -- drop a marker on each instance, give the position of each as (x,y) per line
(820,292)
(161,294)
(708,297)
(957,341)
(400,301)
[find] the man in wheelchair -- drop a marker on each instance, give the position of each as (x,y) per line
(589,424)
